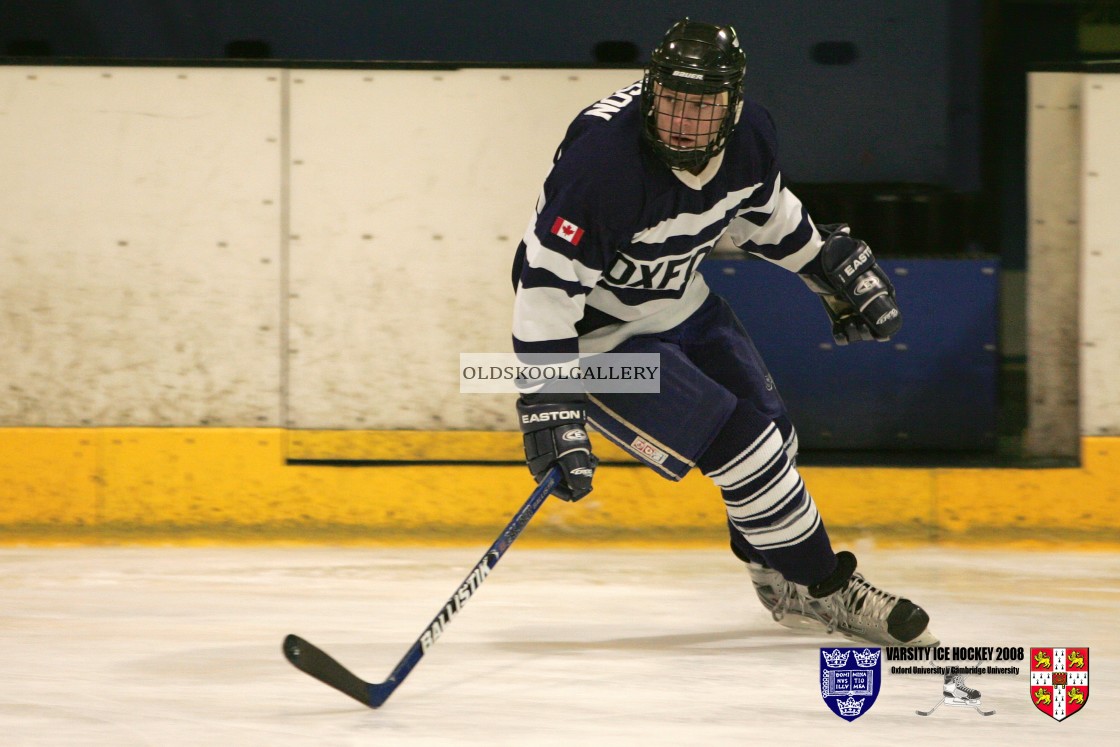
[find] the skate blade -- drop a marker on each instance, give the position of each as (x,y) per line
(801,624)
(925,639)
(962,702)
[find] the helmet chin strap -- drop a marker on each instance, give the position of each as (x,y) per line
(698,177)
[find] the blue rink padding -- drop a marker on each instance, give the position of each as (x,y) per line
(933,386)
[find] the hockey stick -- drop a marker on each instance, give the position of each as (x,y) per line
(317,663)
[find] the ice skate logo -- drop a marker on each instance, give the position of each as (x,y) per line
(1059,684)
(850,691)
(956,692)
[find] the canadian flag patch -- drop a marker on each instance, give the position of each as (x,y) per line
(568,231)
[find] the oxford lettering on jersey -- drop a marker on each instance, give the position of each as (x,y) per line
(612,105)
(660,274)
(469,587)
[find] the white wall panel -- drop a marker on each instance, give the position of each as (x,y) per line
(1053,256)
(142,257)
(409,193)
(1100,254)
(139,246)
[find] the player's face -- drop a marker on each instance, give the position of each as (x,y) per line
(688,120)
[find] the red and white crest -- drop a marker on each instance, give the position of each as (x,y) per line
(568,231)
(1059,680)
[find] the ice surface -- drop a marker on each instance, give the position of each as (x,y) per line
(181,646)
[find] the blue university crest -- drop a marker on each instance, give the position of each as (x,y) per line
(850,680)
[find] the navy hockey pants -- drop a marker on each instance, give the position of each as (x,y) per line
(719,410)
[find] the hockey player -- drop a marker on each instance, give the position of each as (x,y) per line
(641,188)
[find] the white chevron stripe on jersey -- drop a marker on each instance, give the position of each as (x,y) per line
(766,208)
(554,314)
(647,318)
(774,230)
(690,224)
(781,223)
(604,300)
(783,216)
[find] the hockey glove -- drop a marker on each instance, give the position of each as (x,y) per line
(554,433)
(856,293)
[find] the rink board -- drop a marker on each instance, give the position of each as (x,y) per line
(172,484)
(931,386)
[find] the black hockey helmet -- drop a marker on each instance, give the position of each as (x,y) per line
(693,58)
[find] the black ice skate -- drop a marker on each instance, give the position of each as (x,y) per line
(849,604)
(956,689)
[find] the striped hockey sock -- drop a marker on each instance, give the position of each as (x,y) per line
(766,500)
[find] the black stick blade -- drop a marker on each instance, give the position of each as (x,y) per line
(314,661)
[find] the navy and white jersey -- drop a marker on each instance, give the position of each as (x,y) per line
(613,247)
